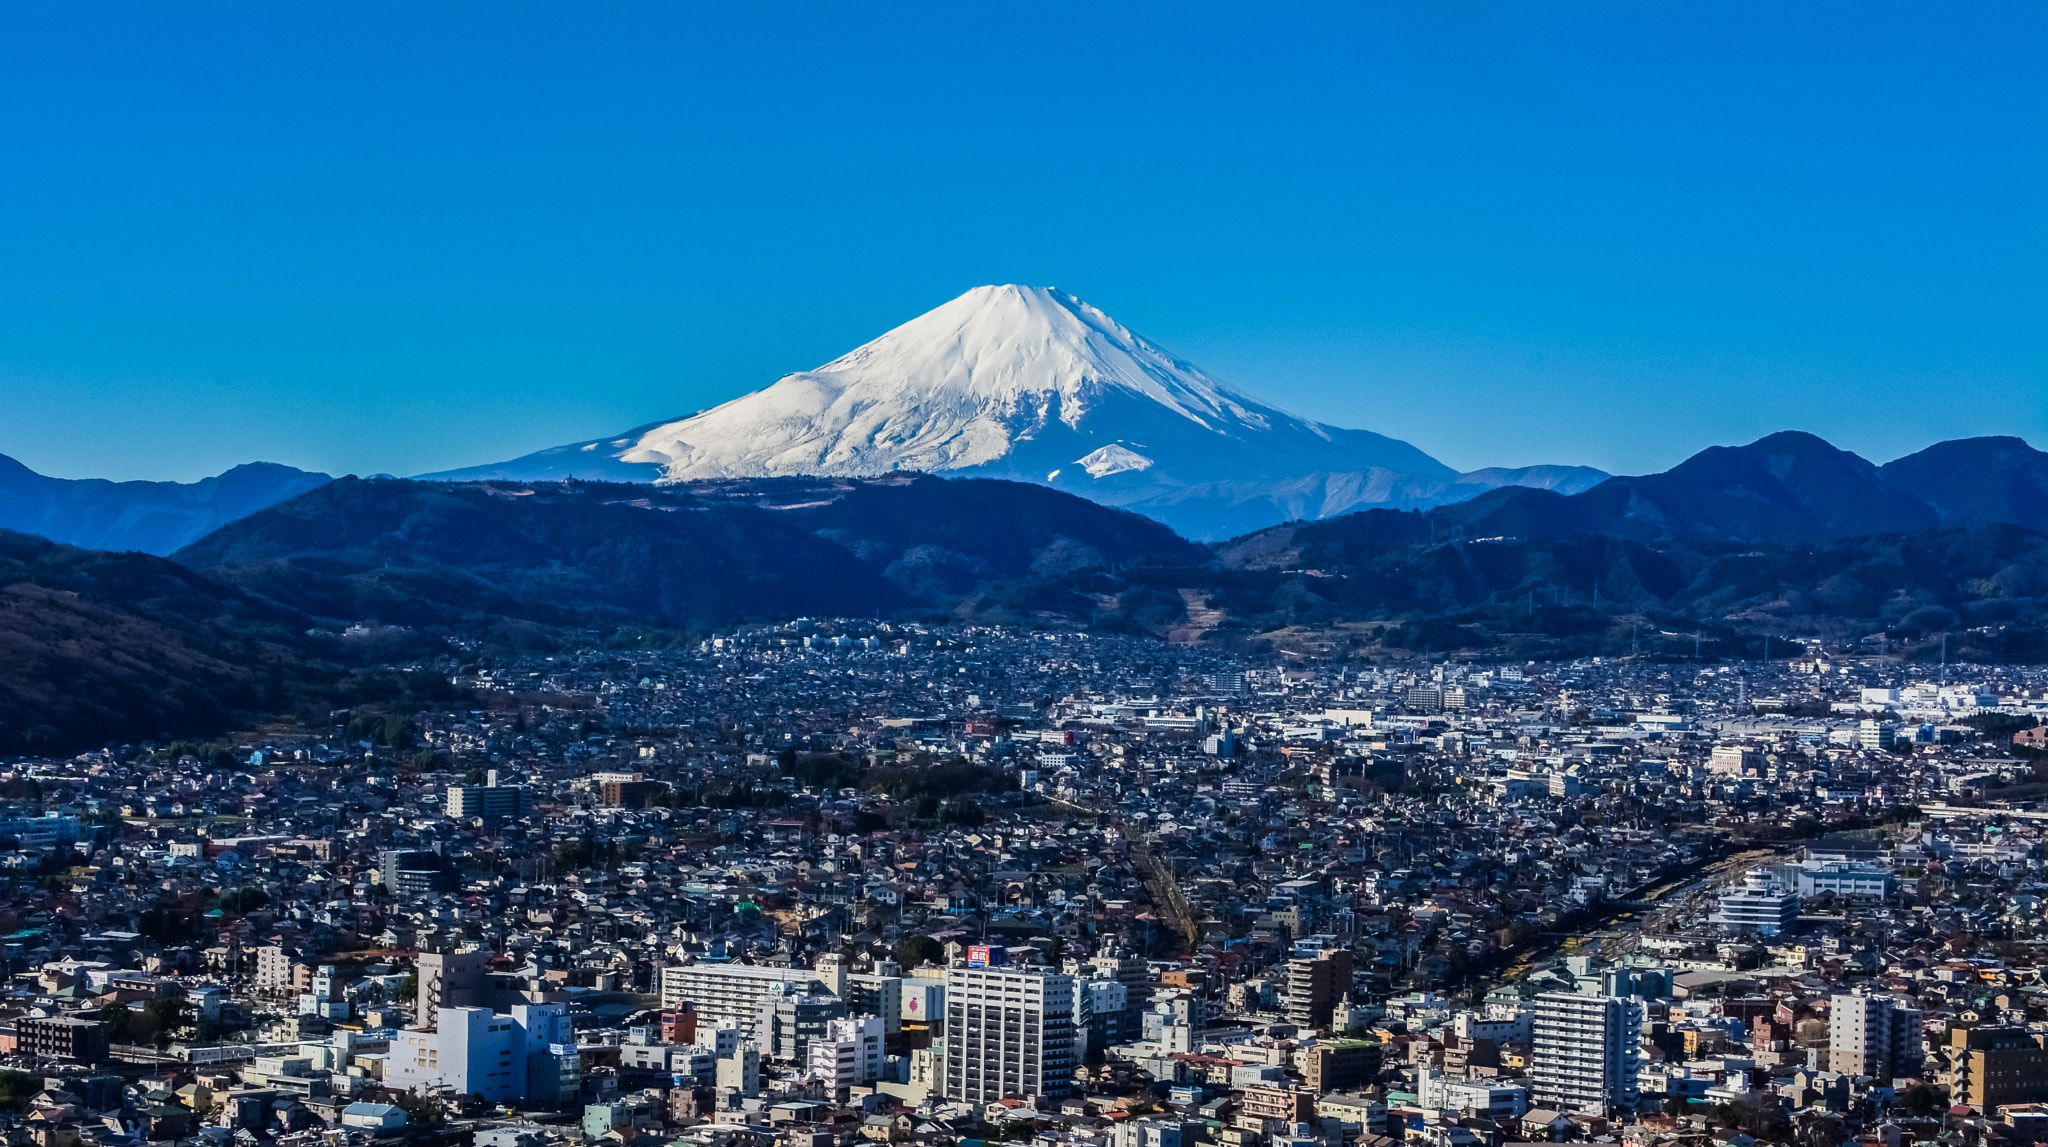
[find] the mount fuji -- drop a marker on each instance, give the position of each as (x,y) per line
(1034,385)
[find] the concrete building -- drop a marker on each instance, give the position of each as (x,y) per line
(447,980)
(1008,1032)
(1873,1036)
(880,996)
(415,872)
(740,1072)
(1315,984)
(1586,1051)
(528,1056)
(731,991)
(1335,1065)
(1760,904)
(1481,1098)
(790,1020)
(490,800)
(1998,1066)
(849,1053)
(62,1037)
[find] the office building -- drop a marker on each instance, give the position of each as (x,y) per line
(1008,1032)
(740,1072)
(1335,1065)
(731,991)
(1998,1066)
(924,1003)
(679,1024)
(625,790)
(1873,1036)
(790,1020)
(1761,905)
(1106,1008)
(1586,1051)
(880,996)
(489,801)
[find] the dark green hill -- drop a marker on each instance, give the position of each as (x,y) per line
(698,555)
(98,647)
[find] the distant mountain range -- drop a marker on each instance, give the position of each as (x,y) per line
(1033,385)
(1786,539)
(153,517)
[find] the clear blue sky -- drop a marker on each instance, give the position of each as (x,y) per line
(405,237)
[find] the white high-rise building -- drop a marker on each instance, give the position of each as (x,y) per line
(1873,1036)
(849,1053)
(1587,1050)
(1008,1032)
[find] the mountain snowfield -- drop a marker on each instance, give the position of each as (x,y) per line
(1032,384)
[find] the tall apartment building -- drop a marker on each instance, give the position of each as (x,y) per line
(1315,984)
(1587,1050)
(731,991)
(490,800)
(1008,1032)
(277,970)
(1873,1036)
(1997,1066)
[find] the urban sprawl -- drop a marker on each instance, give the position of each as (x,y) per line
(833,881)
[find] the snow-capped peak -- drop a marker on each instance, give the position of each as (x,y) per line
(955,387)
(1023,383)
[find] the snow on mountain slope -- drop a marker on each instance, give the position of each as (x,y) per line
(1026,383)
(995,377)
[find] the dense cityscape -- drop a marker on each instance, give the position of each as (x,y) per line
(829,880)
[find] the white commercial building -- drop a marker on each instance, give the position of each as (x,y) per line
(1484,1099)
(521,1057)
(1760,903)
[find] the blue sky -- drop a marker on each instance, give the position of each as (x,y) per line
(406,237)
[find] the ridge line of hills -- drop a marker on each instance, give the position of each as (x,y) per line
(278,610)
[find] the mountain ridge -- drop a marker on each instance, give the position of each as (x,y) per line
(149,517)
